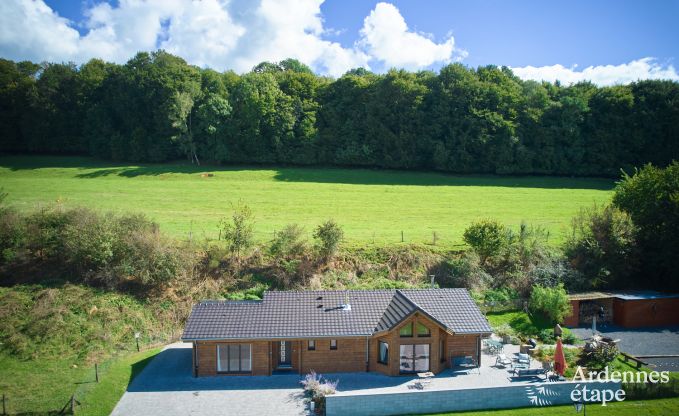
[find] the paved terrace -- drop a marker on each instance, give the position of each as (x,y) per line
(490,376)
(167,388)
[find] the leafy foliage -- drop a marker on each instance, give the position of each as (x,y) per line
(238,233)
(602,247)
(487,238)
(552,301)
(328,238)
(157,108)
(651,199)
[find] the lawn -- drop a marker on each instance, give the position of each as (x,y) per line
(44,386)
(659,407)
(371,205)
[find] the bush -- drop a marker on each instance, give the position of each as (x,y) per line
(318,388)
(328,236)
(238,232)
(12,235)
(289,242)
(487,238)
(601,355)
(552,301)
(547,336)
(463,271)
(106,249)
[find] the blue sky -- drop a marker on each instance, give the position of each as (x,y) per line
(606,41)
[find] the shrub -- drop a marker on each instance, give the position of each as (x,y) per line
(552,301)
(289,242)
(318,388)
(238,232)
(547,336)
(328,236)
(463,271)
(487,238)
(602,247)
(601,355)
(12,235)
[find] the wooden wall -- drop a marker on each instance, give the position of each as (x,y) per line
(646,312)
(350,355)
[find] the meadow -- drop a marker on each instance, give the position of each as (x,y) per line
(373,206)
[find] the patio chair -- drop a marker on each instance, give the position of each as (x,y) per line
(523,359)
(502,360)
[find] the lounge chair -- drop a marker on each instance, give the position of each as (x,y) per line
(531,372)
(502,360)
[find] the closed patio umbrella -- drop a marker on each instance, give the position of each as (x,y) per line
(559,358)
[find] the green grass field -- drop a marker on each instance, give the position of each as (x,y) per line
(43,387)
(371,205)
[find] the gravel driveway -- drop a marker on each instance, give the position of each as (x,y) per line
(166,388)
(643,341)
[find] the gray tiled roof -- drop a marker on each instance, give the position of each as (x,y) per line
(319,314)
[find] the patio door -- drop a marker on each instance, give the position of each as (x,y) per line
(414,358)
(285,354)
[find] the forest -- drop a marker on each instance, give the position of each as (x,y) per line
(157,108)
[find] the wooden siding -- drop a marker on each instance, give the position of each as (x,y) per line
(646,312)
(395,341)
(350,355)
(461,345)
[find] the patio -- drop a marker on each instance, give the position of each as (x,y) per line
(488,375)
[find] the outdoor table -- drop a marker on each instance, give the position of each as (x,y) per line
(494,346)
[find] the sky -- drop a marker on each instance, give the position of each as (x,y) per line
(606,42)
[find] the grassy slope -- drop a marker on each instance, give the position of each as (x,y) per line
(44,386)
(50,338)
(362,201)
(660,407)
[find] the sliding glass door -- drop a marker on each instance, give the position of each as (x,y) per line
(414,358)
(234,358)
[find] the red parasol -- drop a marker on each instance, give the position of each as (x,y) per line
(559,358)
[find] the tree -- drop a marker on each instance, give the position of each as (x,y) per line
(651,198)
(238,232)
(486,238)
(552,301)
(328,238)
(602,246)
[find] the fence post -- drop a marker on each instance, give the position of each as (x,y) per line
(401,236)
(96,372)
(4,406)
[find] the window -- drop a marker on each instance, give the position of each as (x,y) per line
(333,344)
(312,345)
(442,350)
(414,358)
(423,331)
(234,358)
(383,356)
(406,330)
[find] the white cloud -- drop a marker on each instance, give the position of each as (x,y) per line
(645,68)
(222,34)
(386,37)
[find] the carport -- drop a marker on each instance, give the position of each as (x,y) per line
(627,309)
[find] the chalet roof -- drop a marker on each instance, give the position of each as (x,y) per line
(316,314)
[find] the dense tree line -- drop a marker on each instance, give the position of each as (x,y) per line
(156,108)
